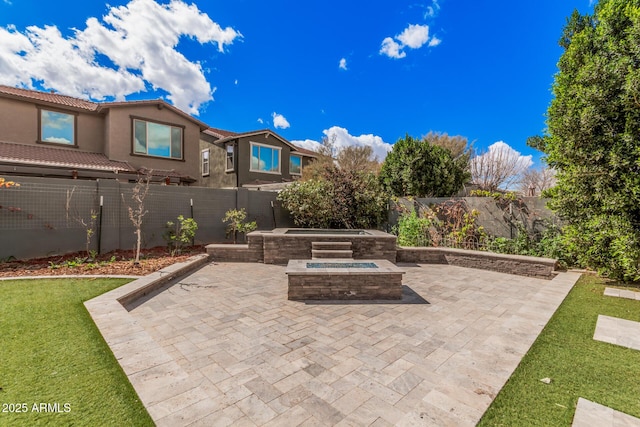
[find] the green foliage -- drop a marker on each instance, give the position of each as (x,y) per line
(413,230)
(551,242)
(179,234)
(593,138)
(508,196)
(336,198)
(236,223)
(419,168)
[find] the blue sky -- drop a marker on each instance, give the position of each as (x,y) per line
(369,72)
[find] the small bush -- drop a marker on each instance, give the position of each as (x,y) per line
(236,223)
(179,234)
(413,230)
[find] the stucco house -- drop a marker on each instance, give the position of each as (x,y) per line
(53,135)
(249,159)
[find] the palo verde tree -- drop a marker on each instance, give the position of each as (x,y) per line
(419,168)
(593,137)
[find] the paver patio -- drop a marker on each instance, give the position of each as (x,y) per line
(240,353)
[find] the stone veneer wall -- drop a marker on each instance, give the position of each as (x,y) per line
(512,264)
(279,248)
(387,286)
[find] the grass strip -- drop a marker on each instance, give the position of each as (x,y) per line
(56,368)
(578,365)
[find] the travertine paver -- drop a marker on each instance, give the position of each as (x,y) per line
(622,332)
(241,353)
(622,293)
(590,414)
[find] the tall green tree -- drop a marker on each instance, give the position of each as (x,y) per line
(593,137)
(418,168)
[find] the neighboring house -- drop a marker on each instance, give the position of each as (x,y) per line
(53,135)
(249,159)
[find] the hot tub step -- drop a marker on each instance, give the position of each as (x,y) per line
(339,246)
(331,253)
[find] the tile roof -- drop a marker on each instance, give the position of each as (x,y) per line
(301,150)
(220,133)
(166,173)
(50,97)
(59,157)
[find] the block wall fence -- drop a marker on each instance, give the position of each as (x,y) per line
(44,216)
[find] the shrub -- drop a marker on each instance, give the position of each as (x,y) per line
(413,230)
(179,234)
(336,198)
(236,223)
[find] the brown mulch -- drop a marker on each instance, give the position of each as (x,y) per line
(112,263)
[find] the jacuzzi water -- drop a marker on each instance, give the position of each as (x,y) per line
(341,265)
(341,232)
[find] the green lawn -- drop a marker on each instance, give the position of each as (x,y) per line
(577,365)
(51,352)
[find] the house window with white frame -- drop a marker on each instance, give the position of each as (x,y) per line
(295,164)
(157,140)
(57,127)
(205,162)
(265,158)
(230,159)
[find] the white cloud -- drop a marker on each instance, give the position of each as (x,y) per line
(432,10)
(57,139)
(344,139)
(500,165)
(413,37)
(279,121)
(140,40)
(343,64)
(260,120)
(392,49)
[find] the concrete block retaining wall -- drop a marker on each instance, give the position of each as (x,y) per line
(512,264)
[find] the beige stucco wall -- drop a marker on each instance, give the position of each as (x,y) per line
(118,127)
(19,123)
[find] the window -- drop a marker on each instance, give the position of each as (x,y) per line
(229,167)
(59,128)
(295,165)
(155,139)
(205,162)
(265,158)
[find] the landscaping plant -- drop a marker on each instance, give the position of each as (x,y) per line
(138,211)
(593,135)
(179,234)
(336,198)
(236,223)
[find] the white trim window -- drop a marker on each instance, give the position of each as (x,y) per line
(157,140)
(205,162)
(230,161)
(265,158)
(295,164)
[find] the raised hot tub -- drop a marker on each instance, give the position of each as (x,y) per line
(283,244)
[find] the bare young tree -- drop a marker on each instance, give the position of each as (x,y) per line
(534,181)
(458,145)
(498,167)
(138,211)
(358,158)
